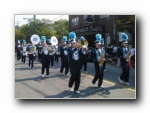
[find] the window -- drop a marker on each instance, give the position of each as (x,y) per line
(75,21)
(88,18)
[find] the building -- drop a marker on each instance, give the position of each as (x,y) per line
(89,25)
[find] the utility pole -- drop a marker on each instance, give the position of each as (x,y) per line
(17,24)
(34,17)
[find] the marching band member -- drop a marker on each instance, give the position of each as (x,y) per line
(57,54)
(39,48)
(84,55)
(124,55)
(31,49)
(74,64)
(51,55)
(98,56)
(24,51)
(45,57)
(64,57)
(18,48)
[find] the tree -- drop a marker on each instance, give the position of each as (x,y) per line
(61,27)
(42,27)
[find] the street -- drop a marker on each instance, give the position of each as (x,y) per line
(30,85)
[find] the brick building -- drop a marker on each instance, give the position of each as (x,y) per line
(89,25)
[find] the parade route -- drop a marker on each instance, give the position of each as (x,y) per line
(30,85)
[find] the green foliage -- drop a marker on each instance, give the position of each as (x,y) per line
(42,27)
(61,27)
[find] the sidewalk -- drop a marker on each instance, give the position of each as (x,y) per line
(30,85)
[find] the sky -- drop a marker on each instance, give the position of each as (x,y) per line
(19,19)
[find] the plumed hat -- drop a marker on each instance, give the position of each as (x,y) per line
(102,40)
(49,40)
(73,37)
(124,38)
(64,38)
(98,39)
(43,39)
(24,41)
(18,41)
(82,38)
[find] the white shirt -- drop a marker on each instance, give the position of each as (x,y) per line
(132,51)
(115,49)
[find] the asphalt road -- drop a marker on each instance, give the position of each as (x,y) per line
(30,85)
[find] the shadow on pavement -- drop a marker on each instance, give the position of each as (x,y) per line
(89,91)
(38,78)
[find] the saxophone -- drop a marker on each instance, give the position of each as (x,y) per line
(102,60)
(128,58)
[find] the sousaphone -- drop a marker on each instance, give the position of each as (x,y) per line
(54,42)
(35,39)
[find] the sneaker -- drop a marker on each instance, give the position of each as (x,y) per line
(127,83)
(93,85)
(121,81)
(71,89)
(43,75)
(47,76)
(78,92)
(66,75)
(101,86)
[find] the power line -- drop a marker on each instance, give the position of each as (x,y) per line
(57,17)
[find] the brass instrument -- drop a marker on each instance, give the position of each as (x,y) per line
(35,39)
(82,44)
(52,50)
(32,49)
(128,58)
(102,60)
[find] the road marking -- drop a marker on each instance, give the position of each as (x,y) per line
(112,83)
